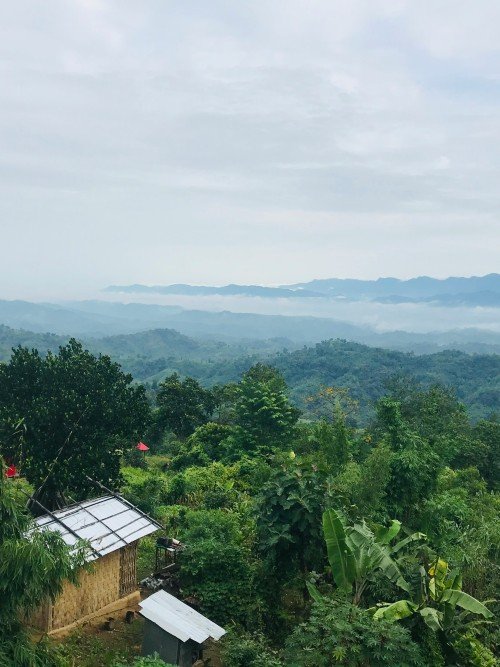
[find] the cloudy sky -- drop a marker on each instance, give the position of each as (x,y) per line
(268,141)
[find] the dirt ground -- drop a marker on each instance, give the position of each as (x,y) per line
(92,645)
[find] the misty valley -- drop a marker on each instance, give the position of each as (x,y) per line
(272,440)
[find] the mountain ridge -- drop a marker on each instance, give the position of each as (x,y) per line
(98,319)
(422,287)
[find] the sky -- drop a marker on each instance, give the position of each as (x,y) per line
(263,141)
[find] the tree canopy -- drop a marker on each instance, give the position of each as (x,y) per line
(75,414)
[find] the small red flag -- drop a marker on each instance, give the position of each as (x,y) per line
(142,447)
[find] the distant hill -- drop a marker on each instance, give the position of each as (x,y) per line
(155,342)
(473,291)
(98,319)
(416,288)
(151,355)
(366,371)
(467,299)
(66,320)
(10,338)
(147,352)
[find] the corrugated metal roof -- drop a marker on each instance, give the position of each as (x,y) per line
(108,523)
(178,619)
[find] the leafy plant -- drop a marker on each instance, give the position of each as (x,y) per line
(216,566)
(356,553)
(338,632)
(287,510)
(245,650)
(440,594)
(148,661)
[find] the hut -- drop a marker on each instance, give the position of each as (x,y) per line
(174,630)
(112,527)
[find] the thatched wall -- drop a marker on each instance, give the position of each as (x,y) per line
(128,569)
(109,579)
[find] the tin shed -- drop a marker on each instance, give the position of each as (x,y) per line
(112,526)
(174,630)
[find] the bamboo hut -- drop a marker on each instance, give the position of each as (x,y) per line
(112,527)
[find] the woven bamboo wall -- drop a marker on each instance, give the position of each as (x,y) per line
(99,587)
(112,577)
(128,569)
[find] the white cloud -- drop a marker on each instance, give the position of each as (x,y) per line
(178,131)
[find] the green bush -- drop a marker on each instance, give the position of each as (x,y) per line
(210,487)
(338,632)
(240,650)
(216,566)
(472,653)
(145,489)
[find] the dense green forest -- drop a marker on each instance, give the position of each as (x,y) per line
(315,538)
(367,371)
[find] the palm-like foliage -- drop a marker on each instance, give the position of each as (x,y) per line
(356,553)
(440,594)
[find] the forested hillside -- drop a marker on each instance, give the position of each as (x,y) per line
(312,542)
(367,371)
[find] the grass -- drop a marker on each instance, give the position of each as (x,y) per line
(91,646)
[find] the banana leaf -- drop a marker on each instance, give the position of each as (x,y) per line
(431,617)
(385,535)
(340,557)
(415,537)
(382,561)
(313,592)
(455,580)
(396,611)
(460,599)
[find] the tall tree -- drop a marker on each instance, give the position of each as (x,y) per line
(77,411)
(287,508)
(264,415)
(487,438)
(183,405)
(415,465)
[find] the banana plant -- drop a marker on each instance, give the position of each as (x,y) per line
(356,553)
(440,595)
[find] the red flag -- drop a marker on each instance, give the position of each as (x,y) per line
(142,447)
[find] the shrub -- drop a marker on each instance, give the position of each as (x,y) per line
(239,650)
(216,566)
(338,632)
(472,653)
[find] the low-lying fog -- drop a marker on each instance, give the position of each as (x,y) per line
(382,317)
